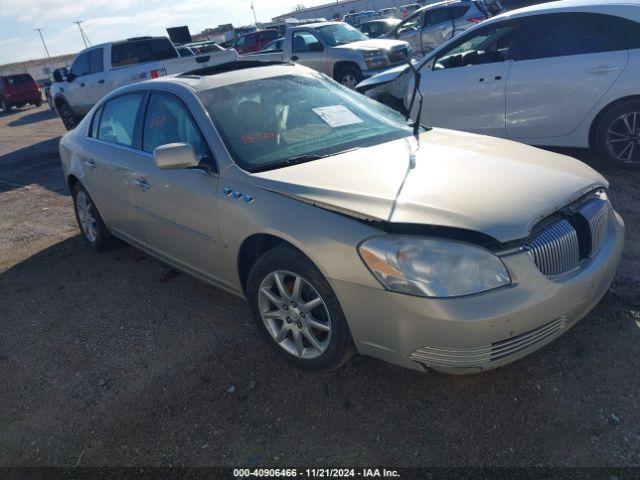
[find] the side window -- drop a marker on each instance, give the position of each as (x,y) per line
(490,45)
(95,122)
(162,49)
(240,41)
(130,53)
(118,119)
(81,66)
(96,60)
(630,31)
(305,42)
(458,12)
(564,34)
(436,17)
(168,121)
(412,23)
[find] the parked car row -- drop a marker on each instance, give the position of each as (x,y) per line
(336,49)
(558,74)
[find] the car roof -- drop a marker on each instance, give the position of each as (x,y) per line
(626,8)
(446,3)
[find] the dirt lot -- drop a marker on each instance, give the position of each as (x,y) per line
(106,361)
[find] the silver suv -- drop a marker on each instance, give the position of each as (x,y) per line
(430,26)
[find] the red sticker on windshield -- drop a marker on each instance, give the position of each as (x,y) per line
(257,137)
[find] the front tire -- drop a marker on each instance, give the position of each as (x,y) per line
(68,117)
(295,308)
(90,222)
(349,77)
(617,137)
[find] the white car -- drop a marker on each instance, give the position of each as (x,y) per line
(558,74)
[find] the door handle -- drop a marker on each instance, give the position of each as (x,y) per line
(82,84)
(295,58)
(101,80)
(90,163)
(142,183)
(603,69)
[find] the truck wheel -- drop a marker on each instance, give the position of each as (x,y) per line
(38,103)
(349,77)
(68,117)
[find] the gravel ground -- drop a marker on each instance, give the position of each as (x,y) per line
(107,360)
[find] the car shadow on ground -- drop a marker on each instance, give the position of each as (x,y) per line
(35,117)
(103,360)
(36,164)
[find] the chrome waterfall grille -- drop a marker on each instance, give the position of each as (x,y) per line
(557,245)
(468,357)
(596,212)
(554,247)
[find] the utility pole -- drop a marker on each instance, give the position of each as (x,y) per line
(253,9)
(85,39)
(39,29)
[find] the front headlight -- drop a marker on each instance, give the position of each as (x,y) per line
(375,59)
(430,267)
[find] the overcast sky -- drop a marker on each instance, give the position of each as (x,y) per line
(107,20)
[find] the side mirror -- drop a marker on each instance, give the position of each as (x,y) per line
(70,77)
(173,156)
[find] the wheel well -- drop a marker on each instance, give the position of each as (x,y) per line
(58,102)
(253,248)
(71,181)
(603,112)
(339,66)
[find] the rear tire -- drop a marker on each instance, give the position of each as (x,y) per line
(617,136)
(349,76)
(90,222)
(68,117)
(296,310)
(38,103)
(4,107)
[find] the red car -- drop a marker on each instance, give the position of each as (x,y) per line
(18,90)
(255,41)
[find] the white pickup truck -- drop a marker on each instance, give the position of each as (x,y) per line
(338,50)
(102,68)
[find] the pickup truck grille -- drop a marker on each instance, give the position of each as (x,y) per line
(398,55)
(557,245)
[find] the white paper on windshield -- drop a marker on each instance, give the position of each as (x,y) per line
(337,115)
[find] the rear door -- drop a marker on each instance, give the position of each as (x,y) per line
(464,89)
(178,208)
(109,160)
(563,66)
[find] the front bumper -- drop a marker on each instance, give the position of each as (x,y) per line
(479,332)
(370,73)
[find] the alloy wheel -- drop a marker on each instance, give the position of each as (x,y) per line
(294,314)
(623,138)
(85,216)
(349,80)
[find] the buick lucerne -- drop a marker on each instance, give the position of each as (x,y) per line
(346,230)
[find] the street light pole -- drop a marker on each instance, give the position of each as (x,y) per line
(253,9)
(85,39)
(39,29)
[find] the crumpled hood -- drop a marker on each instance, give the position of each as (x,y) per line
(373,44)
(488,185)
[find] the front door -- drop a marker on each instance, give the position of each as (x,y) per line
(109,160)
(308,50)
(464,89)
(563,66)
(178,208)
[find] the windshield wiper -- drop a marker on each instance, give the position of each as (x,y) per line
(297,159)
